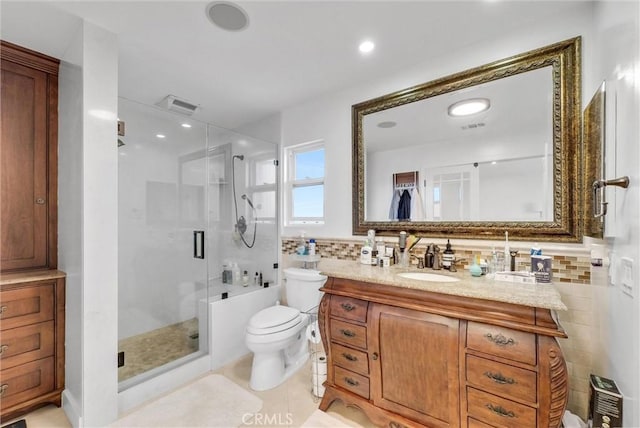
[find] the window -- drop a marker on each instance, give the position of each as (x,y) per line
(305,184)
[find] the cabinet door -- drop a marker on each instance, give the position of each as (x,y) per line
(414,365)
(24,167)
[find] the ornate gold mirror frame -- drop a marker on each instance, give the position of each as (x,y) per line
(564,58)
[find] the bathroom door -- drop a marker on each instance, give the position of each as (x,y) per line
(162,241)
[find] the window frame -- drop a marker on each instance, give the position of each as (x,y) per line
(291,183)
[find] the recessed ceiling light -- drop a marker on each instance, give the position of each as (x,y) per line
(366,47)
(493,162)
(161,136)
(387,124)
(228,16)
(469,107)
(186,125)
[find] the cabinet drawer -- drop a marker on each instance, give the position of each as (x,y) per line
(351,381)
(502,379)
(25,382)
(349,334)
(349,308)
(472,423)
(24,344)
(498,411)
(502,342)
(356,361)
(24,306)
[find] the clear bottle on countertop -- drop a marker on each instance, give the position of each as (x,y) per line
(237,276)
(256,279)
(312,247)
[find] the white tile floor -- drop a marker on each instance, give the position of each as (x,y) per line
(288,405)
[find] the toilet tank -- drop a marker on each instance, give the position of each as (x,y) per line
(302,288)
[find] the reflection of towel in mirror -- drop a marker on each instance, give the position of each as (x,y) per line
(417,206)
(404,206)
(395,200)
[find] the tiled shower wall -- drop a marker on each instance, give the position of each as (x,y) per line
(571,269)
(572,276)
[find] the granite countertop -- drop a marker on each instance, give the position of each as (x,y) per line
(535,295)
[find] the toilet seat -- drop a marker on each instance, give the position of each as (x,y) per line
(274,320)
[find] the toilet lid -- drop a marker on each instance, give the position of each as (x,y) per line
(274,319)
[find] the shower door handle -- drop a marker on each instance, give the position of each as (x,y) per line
(198,244)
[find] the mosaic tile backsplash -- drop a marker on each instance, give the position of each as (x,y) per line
(567,269)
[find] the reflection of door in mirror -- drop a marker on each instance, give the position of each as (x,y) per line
(452,193)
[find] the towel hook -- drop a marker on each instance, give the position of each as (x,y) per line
(599,185)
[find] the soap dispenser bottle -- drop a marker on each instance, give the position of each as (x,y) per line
(447,256)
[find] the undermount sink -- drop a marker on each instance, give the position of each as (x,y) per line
(431,277)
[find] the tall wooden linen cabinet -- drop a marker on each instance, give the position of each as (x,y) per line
(32,290)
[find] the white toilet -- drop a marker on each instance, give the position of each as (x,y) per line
(276,335)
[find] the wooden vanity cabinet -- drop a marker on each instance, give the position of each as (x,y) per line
(32,311)
(32,291)
(414,358)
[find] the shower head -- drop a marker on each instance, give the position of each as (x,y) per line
(241,157)
(246,198)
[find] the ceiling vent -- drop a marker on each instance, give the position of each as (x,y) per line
(173,103)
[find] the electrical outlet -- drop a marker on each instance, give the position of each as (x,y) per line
(626,276)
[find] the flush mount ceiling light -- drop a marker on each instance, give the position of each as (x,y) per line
(185,125)
(228,16)
(387,124)
(161,136)
(366,47)
(469,107)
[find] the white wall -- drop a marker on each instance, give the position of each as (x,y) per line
(328,118)
(617,32)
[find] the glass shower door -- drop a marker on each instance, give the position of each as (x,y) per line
(162,241)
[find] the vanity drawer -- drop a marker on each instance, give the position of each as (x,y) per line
(24,344)
(349,334)
(24,306)
(349,308)
(502,379)
(499,412)
(356,361)
(351,381)
(26,381)
(502,342)
(472,423)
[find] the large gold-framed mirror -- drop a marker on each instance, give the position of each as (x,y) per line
(512,167)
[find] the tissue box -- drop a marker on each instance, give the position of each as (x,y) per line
(605,403)
(541,268)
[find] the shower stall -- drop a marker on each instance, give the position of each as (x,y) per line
(192,198)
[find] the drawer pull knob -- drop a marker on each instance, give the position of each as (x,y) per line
(347,333)
(374,356)
(348,307)
(3,309)
(3,388)
(40,201)
(351,382)
(499,378)
(499,339)
(3,348)
(501,411)
(349,356)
